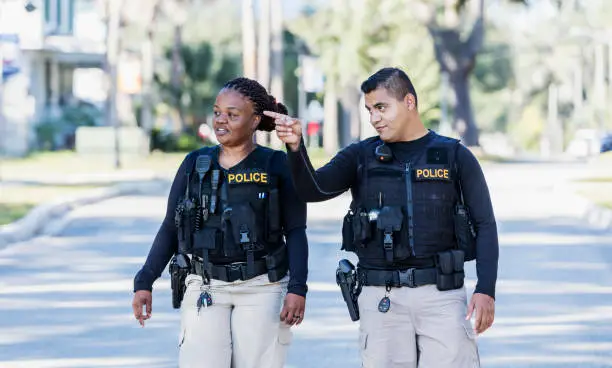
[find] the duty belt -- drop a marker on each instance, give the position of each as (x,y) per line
(231,272)
(412,277)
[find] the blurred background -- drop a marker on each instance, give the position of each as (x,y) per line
(100,100)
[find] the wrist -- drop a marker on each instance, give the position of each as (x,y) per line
(294,147)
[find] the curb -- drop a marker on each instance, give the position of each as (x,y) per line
(37,221)
(596,216)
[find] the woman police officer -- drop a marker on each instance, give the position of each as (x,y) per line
(234,215)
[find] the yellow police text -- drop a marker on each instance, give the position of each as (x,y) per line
(432,174)
(252,177)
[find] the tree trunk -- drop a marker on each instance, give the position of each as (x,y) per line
(350,125)
(263,59)
(278,60)
(330,123)
(249,62)
(457,57)
(464,123)
(148,57)
(177,73)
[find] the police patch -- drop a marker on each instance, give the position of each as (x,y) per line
(432,172)
(248,177)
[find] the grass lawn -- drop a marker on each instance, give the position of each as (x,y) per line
(597,189)
(17,200)
(10,212)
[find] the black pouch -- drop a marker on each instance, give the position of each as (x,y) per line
(277,264)
(207,238)
(389,223)
(464,232)
(365,233)
(243,224)
(274,225)
(450,270)
(348,235)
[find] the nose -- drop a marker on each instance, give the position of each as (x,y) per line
(374,117)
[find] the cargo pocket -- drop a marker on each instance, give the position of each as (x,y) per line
(472,348)
(363,341)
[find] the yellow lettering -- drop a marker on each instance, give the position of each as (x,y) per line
(239,178)
(231,178)
(439,173)
(419,173)
(264,178)
(257,177)
(445,173)
(427,173)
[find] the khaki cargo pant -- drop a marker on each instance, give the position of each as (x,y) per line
(242,328)
(424,327)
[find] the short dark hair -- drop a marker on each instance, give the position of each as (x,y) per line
(394,80)
(260,98)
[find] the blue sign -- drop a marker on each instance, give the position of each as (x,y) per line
(11,55)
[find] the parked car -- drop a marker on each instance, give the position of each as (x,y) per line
(606,143)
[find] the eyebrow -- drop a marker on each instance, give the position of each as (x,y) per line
(229,108)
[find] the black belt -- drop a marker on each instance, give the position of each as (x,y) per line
(412,277)
(231,272)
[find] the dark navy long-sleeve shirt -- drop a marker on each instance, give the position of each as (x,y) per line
(293,217)
(340,174)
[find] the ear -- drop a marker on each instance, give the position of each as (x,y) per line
(255,122)
(410,102)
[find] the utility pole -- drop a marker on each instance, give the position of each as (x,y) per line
(113,13)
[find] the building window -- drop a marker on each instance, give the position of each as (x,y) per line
(59,16)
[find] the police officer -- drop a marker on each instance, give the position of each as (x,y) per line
(408,184)
(237,230)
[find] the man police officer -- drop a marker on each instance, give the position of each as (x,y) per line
(409,187)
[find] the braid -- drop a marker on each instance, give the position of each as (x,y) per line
(260,98)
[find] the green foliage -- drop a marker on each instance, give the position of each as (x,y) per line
(527,131)
(352,44)
(206,69)
(58,133)
(168,142)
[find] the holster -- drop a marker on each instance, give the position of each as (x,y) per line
(346,278)
(179,268)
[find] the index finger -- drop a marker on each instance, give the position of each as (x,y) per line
(275,115)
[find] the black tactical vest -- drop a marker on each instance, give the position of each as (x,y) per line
(233,214)
(403,209)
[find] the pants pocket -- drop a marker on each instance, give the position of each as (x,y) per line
(181,338)
(285,336)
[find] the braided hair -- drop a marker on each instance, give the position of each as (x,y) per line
(260,98)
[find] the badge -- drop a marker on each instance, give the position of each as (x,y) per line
(384,305)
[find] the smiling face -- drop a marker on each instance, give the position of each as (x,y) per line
(234,118)
(388,115)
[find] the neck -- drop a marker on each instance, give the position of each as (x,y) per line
(414,130)
(238,151)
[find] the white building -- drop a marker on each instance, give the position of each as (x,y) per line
(51,54)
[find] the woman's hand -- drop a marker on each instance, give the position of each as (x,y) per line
(293,309)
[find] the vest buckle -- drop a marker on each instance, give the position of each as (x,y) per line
(244,235)
(388,240)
